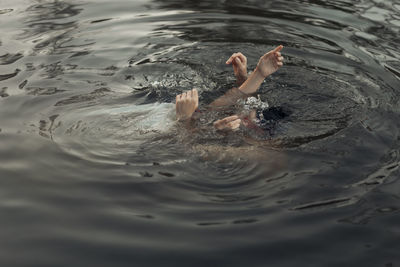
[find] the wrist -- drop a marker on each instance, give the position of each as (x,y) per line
(185,122)
(259,74)
(241,80)
(183,118)
(254,81)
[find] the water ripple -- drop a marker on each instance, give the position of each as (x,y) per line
(96,169)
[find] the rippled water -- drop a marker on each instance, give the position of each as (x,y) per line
(94,171)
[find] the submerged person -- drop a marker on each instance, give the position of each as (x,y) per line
(259,118)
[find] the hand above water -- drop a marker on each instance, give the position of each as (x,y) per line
(270,62)
(239,64)
(186,104)
(228,123)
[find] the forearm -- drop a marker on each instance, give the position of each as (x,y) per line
(241,79)
(251,85)
(229,98)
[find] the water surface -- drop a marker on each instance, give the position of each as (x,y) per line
(94,171)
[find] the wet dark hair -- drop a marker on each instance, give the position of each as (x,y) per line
(274,113)
(268,118)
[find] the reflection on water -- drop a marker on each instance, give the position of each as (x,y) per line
(95,171)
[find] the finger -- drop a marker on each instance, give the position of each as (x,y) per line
(280,58)
(242,57)
(229,61)
(280,64)
(234,124)
(195,96)
(278,54)
(184,96)
(221,124)
(234,56)
(178,104)
(238,61)
(278,48)
(229,119)
(217,124)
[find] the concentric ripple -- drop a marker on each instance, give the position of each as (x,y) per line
(97,172)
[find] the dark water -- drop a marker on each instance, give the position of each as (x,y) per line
(94,172)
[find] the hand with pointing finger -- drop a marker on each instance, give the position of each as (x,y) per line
(270,62)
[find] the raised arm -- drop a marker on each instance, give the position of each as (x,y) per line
(268,64)
(239,64)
